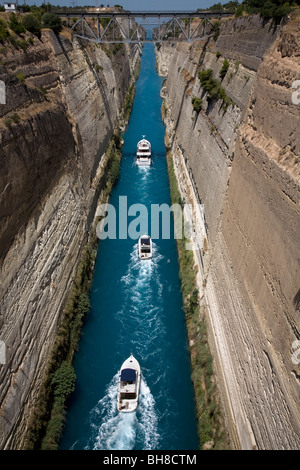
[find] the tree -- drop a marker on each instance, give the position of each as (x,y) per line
(197,104)
(63,381)
(224,68)
(52,21)
(32,24)
(3,30)
(15,25)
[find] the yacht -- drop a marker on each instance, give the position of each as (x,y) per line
(129,385)
(143,152)
(145,247)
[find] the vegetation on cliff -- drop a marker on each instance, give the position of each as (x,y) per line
(14,30)
(48,416)
(213,86)
(211,428)
(271,9)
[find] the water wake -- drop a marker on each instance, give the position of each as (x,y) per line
(124,431)
(142,305)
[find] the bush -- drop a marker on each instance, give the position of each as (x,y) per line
(3,30)
(8,122)
(15,25)
(281,11)
(63,381)
(21,77)
(83,304)
(32,24)
(239,11)
(197,104)
(269,9)
(216,30)
(52,21)
(213,87)
(224,69)
(16,118)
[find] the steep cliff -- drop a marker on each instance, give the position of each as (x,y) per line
(64,101)
(237,160)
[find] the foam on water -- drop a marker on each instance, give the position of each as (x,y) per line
(124,431)
(136,307)
(142,302)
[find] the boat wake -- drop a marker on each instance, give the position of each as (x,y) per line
(124,431)
(142,304)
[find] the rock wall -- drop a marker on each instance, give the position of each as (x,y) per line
(63,102)
(241,166)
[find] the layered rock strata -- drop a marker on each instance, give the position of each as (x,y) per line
(241,169)
(64,100)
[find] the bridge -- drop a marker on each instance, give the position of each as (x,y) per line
(140,26)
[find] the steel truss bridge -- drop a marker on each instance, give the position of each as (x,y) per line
(141,26)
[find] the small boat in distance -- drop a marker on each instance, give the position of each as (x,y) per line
(143,152)
(145,247)
(129,385)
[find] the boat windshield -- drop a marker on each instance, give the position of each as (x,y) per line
(128,375)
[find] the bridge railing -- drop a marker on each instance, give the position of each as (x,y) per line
(140,26)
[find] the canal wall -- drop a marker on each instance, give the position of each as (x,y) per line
(64,101)
(237,161)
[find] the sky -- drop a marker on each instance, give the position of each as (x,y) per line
(134,5)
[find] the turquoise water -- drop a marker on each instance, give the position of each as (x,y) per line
(136,307)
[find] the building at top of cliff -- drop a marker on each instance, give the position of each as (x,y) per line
(10,6)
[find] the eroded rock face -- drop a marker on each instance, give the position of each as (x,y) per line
(62,106)
(244,167)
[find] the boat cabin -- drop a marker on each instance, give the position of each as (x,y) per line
(128,384)
(145,245)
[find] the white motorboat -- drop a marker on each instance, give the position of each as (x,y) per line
(129,385)
(143,152)
(145,247)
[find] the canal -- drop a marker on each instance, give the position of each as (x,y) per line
(136,307)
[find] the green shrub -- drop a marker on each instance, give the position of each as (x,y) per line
(21,77)
(115,167)
(3,30)
(213,87)
(8,122)
(83,304)
(22,44)
(63,382)
(224,68)
(128,102)
(16,26)
(197,104)
(52,21)
(43,91)
(216,30)
(32,24)
(239,11)
(16,118)
(205,77)
(218,54)
(210,418)
(270,9)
